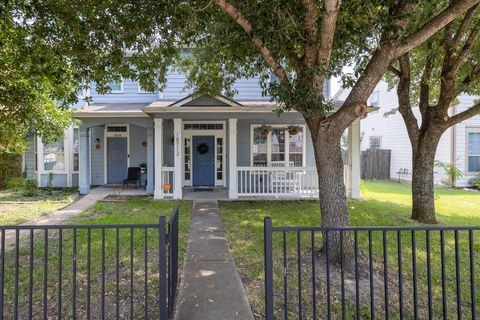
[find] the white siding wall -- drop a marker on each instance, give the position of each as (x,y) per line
(394,134)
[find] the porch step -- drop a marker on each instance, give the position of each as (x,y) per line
(211,287)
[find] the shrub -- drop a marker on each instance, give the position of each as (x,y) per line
(30,188)
(15,183)
(450,170)
(49,186)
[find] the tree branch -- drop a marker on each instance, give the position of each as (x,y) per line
(394,70)
(310,23)
(466,49)
(470,112)
(267,55)
(424,85)
(462,29)
(327,32)
(435,24)
(404,105)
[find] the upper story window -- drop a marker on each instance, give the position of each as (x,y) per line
(143,90)
(373,99)
(54,156)
(375,142)
(116,86)
(278,148)
(473,150)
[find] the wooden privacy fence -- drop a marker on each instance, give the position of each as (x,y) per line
(375,164)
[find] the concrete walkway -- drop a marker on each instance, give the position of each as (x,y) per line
(211,288)
(82,204)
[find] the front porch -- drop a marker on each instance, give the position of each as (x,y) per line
(207,142)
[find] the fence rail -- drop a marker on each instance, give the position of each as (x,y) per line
(89,271)
(375,272)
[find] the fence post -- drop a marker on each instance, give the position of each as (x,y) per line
(267,234)
(162,260)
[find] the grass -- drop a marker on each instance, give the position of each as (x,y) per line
(16,208)
(135,269)
(385,204)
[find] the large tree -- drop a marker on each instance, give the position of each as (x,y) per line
(36,87)
(314,39)
(431,77)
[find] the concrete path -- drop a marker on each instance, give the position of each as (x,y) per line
(211,288)
(75,208)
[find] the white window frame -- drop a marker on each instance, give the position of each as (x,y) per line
(469,130)
(287,143)
(73,158)
(106,135)
(40,156)
(370,141)
(121,87)
(189,134)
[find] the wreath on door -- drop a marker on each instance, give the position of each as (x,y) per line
(202,148)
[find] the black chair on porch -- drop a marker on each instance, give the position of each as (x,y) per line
(133,176)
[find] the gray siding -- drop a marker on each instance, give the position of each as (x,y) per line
(30,157)
(168,148)
(130,94)
(75,180)
(138,153)
(59,180)
(97,156)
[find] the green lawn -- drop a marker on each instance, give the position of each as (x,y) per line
(15,208)
(385,204)
(130,248)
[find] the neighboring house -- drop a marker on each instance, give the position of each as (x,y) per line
(383,129)
(187,142)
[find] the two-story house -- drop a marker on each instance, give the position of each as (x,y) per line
(188,143)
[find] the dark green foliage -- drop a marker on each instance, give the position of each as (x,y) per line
(31,188)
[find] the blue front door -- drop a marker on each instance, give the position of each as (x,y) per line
(116,159)
(203,149)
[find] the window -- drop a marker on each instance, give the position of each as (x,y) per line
(187,158)
(116,86)
(278,147)
(75,149)
(373,99)
(473,151)
(203,126)
(143,90)
(54,156)
(219,158)
(375,142)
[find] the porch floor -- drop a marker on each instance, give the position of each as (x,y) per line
(116,189)
(214,194)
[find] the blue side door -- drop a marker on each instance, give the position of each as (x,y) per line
(203,150)
(116,159)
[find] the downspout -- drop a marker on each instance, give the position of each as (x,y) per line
(453,146)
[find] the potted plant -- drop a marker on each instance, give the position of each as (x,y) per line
(293,129)
(265,129)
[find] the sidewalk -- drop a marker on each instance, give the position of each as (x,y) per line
(66,213)
(211,287)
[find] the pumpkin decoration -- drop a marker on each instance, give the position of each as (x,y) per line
(166,187)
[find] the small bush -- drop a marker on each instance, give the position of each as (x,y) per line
(49,186)
(15,183)
(30,188)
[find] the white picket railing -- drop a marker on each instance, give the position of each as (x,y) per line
(279,181)
(168,175)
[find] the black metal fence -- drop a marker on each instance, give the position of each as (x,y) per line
(381,272)
(89,271)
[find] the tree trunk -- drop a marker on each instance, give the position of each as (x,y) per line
(332,195)
(423,193)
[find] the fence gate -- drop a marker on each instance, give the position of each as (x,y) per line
(375,164)
(89,271)
(374,272)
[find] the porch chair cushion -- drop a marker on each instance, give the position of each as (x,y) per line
(133,176)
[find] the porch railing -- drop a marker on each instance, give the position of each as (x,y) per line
(168,177)
(279,181)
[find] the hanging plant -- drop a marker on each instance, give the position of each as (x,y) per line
(293,130)
(265,129)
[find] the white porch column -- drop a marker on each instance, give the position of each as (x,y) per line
(84,174)
(39,159)
(177,182)
(353,176)
(150,165)
(158,151)
(232,159)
